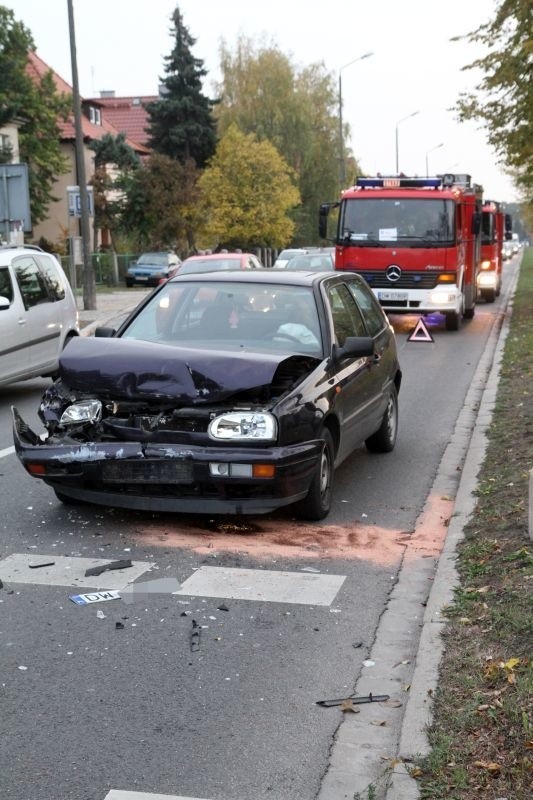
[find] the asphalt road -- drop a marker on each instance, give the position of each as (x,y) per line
(141,708)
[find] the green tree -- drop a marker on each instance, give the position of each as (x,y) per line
(263,93)
(247,192)
(503,100)
(113,160)
(38,104)
(162,203)
(181,121)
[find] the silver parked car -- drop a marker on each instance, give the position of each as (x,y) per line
(38,313)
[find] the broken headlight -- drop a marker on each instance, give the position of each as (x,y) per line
(244,426)
(82,411)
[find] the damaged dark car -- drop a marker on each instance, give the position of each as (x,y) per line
(221,393)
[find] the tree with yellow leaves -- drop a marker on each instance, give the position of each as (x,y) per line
(247,192)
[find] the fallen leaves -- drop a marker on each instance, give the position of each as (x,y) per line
(491,767)
(347,705)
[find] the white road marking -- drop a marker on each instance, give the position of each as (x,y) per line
(67,571)
(117,794)
(263,585)
(7,452)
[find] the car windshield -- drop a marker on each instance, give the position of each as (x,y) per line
(209,264)
(313,262)
(159,259)
(231,316)
(391,219)
(286,254)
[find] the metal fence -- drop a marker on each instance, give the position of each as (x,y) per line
(109,268)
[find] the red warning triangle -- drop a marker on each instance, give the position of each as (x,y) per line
(420,333)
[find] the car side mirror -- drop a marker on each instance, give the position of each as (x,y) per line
(355,347)
(104,333)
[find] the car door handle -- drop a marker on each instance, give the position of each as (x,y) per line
(21,322)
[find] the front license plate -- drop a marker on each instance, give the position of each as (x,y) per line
(392,295)
(147,472)
(141,277)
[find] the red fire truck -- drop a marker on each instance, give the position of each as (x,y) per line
(496,226)
(416,241)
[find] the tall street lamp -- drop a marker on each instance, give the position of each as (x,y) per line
(402,120)
(342,163)
(430,151)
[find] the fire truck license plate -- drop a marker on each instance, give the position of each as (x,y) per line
(392,295)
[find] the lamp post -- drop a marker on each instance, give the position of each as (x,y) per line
(402,120)
(430,151)
(342,165)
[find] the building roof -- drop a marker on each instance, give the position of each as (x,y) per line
(127,114)
(37,69)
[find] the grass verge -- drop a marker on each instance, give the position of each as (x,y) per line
(482,733)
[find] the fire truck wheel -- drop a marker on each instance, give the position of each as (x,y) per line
(469,312)
(384,439)
(489,295)
(452,321)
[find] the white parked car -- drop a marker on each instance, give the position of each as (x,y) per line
(285,255)
(38,313)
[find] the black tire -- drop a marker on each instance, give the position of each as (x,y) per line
(66,500)
(129,283)
(452,321)
(384,439)
(469,312)
(317,504)
(488,295)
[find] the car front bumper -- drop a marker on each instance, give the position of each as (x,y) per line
(168,477)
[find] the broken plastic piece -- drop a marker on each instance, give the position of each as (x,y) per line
(369,698)
(44,564)
(195,636)
(119,626)
(222,607)
(125,562)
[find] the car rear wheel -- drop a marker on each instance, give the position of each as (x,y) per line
(317,504)
(384,439)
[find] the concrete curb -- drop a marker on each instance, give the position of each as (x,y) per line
(418,713)
(368,754)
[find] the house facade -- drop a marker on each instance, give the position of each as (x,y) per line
(59,225)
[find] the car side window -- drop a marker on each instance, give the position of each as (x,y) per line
(374,317)
(347,319)
(6,285)
(52,277)
(31,281)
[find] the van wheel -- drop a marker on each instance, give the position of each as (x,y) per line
(384,439)
(488,295)
(317,504)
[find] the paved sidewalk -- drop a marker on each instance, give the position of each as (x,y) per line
(111,307)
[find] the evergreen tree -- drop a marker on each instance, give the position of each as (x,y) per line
(181,122)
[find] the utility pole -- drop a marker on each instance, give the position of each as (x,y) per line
(89,288)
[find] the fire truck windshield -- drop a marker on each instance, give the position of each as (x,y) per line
(372,221)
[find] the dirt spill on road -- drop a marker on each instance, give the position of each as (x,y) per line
(279,538)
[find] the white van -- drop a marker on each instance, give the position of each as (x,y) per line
(38,313)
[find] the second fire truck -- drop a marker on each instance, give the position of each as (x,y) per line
(496,227)
(416,241)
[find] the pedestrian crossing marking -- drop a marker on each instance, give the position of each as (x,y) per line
(420,333)
(263,585)
(67,571)
(117,794)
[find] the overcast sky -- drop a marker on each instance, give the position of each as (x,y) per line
(414,67)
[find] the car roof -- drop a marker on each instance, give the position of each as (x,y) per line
(296,278)
(214,256)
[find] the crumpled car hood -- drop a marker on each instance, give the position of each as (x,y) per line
(137,370)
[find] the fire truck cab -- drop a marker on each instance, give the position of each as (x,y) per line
(416,241)
(496,227)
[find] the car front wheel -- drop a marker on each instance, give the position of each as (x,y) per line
(384,439)
(316,505)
